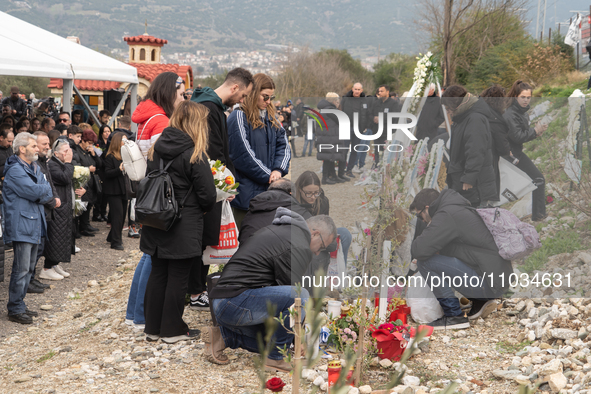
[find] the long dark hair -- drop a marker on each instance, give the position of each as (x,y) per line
(308,178)
(163,91)
(102,130)
(518,87)
(495,97)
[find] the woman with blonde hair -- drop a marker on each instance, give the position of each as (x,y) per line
(258,144)
(182,147)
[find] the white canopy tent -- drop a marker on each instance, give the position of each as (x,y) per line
(28,50)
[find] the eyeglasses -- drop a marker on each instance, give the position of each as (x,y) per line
(323,244)
(62,120)
(267,97)
(311,194)
(419,214)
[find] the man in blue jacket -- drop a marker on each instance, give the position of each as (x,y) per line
(25,190)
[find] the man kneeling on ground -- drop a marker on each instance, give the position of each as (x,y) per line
(265,270)
(457,252)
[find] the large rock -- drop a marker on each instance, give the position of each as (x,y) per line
(365,390)
(318,381)
(509,375)
(385,363)
(557,382)
(563,333)
(411,381)
(553,367)
(585,257)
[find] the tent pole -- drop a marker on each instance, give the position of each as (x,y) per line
(86,105)
(133,105)
(67,92)
(121,103)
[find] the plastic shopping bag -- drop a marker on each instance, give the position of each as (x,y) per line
(424,307)
(337,265)
(132,210)
(228,244)
(514,183)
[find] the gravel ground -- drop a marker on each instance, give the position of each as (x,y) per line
(95,261)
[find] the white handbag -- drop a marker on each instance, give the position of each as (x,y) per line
(133,161)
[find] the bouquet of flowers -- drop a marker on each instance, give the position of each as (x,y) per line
(425,71)
(343,332)
(224,181)
(79,180)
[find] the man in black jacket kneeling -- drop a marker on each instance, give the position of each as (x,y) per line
(457,252)
(265,270)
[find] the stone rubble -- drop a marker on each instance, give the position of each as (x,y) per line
(86,347)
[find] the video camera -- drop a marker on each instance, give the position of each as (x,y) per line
(52,110)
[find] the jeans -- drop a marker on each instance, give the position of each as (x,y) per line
(135,302)
(346,238)
(242,318)
(444,267)
(308,144)
(23,264)
(538,206)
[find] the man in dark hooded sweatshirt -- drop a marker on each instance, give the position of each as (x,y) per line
(456,251)
(261,210)
(265,270)
(235,88)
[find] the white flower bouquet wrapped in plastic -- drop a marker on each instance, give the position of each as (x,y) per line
(80,180)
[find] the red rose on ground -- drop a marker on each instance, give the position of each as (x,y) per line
(549,200)
(275,385)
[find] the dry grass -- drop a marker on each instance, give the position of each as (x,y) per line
(568,78)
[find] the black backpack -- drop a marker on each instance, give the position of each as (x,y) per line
(155,204)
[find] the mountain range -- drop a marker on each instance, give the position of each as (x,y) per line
(364,27)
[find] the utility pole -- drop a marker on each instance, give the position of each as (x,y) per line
(538,19)
(544,21)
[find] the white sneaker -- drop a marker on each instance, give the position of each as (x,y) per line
(129,322)
(60,271)
(356,169)
(76,249)
(138,326)
(50,274)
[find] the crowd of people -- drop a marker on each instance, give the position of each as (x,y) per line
(285,228)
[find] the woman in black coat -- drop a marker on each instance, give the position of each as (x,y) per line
(470,171)
(499,129)
(174,251)
(84,155)
(327,140)
(520,131)
(114,190)
(58,246)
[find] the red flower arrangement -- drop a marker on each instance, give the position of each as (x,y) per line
(275,384)
(549,199)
